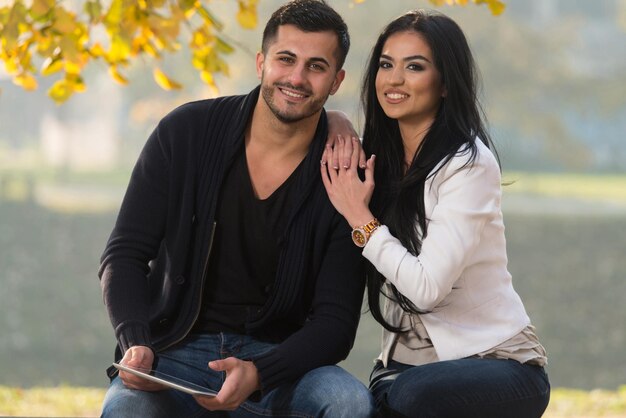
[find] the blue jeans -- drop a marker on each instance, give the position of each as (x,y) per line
(327,391)
(470,387)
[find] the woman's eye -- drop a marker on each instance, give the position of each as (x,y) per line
(384,64)
(415,67)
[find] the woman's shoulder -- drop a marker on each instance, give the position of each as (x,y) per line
(469,162)
(479,156)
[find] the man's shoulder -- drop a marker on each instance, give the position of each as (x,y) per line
(197,110)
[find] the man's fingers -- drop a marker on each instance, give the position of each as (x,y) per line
(369,169)
(335,152)
(324,172)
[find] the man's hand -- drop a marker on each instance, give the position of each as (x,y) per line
(139,357)
(242,379)
(340,130)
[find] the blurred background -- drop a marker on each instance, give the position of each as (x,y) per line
(555,93)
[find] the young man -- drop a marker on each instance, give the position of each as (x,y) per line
(228,266)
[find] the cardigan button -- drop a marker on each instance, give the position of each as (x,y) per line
(180,279)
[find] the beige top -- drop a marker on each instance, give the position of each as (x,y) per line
(415,347)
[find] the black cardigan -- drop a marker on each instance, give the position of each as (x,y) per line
(154,264)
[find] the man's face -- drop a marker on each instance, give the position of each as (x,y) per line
(298,72)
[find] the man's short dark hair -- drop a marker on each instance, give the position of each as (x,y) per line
(309,16)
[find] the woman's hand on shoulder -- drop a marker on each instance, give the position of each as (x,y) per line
(339,126)
(348,193)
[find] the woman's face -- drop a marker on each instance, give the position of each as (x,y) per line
(408,86)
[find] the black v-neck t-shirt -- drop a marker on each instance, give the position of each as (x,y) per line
(244,256)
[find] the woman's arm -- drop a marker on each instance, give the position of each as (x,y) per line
(467,198)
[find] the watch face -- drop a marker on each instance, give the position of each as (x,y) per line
(359,238)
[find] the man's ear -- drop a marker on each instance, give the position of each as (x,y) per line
(260,59)
(341,74)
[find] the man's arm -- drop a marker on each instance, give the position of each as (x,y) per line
(135,241)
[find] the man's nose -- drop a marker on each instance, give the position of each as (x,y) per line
(297,75)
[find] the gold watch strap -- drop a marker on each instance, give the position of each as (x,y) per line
(370,226)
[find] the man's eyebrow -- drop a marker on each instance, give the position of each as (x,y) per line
(410,58)
(312,59)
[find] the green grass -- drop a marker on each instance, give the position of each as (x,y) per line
(581,186)
(59,401)
(86,402)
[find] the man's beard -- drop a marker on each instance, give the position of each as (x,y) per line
(290,117)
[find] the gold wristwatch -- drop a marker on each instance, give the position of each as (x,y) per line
(361,234)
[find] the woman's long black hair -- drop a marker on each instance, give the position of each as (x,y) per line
(398,197)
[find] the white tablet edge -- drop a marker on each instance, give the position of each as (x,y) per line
(165,382)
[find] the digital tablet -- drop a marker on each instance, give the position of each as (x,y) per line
(167,380)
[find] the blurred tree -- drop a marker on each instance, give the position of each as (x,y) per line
(64,41)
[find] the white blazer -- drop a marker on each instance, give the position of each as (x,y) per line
(461,274)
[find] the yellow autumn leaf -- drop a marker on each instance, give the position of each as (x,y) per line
(202,37)
(120,49)
(41,7)
(11,65)
(11,31)
(72,67)
(247,17)
(96,50)
(113,16)
(222,66)
(117,76)
(164,81)
(496,7)
(155,4)
(199,58)
(209,18)
(76,82)
(64,21)
(150,50)
(164,27)
(60,91)
(207,77)
(94,10)
(187,5)
(26,81)
(224,47)
(71,49)
(51,65)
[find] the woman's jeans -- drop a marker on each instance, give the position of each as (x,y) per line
(327,391)
(470,387)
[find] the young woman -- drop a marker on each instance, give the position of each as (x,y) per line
(457,341)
